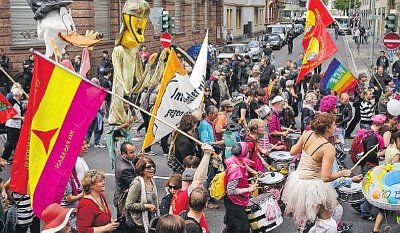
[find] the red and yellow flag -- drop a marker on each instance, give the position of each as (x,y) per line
(6,109)
(60,110)
(320,48)
(316,11)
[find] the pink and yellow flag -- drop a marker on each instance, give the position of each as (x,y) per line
(60,110)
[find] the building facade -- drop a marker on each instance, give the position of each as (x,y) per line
(294,9)
(382,9)
(242,17)
(191,18)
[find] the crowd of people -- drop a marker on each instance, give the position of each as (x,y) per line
(250,111)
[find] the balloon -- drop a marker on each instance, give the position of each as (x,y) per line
(393,107)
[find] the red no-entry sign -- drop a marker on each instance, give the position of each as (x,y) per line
(391,40)
(165,39)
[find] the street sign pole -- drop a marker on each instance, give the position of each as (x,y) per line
(371,52)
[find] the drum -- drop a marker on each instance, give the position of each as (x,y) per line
(352,194)
(281,160)
(263,213)
(291,139)
(271,182)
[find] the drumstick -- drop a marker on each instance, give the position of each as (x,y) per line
(287,130)
(362,158)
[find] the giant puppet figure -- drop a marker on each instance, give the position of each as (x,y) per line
(127,71)
(57,28)
(125,57)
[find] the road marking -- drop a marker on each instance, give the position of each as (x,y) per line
(351,55)
(155,177)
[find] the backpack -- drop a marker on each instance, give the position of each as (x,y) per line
(235,116)
(250,152)
(357,147)
(191,224)
(121,203)
(236,113)
(217,186)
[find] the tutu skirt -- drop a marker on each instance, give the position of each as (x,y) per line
(303,197)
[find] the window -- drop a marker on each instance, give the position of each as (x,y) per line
(238,18)
(229,18)
(102,17)
(194,15)
(261,16)
(256,17)
(23,26)
(178,16)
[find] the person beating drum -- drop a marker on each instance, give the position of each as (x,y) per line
(237,190)
(265,114)
(276,131)
(307,194)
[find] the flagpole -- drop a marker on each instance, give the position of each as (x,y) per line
(12,80)
(121,98)
(150,114)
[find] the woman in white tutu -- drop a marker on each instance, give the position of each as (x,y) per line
(308,195)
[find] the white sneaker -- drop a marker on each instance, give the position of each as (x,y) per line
(99,146)
(151,153)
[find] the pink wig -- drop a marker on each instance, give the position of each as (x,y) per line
(379,119)
(328,103)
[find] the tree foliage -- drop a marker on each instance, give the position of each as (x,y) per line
(344,4)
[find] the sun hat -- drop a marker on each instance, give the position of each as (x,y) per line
(55,218)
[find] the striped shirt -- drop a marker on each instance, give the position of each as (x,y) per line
(366,112)
(232,187)
(24,213)
(264,141)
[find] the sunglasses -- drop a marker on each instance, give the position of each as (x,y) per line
(206,90)
(174,187)
(149,166)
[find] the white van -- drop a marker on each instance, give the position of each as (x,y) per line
(278,29)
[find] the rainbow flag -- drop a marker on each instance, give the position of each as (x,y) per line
(338,78)
(60,109)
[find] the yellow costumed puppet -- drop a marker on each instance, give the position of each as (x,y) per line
(127,70)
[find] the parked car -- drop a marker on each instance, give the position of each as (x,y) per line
(229,50)
(299,28)
(278,29)
(274,40)
(256,49)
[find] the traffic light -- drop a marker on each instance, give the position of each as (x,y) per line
(166,23)
(391,23)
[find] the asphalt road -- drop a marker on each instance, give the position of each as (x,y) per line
(98,159)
